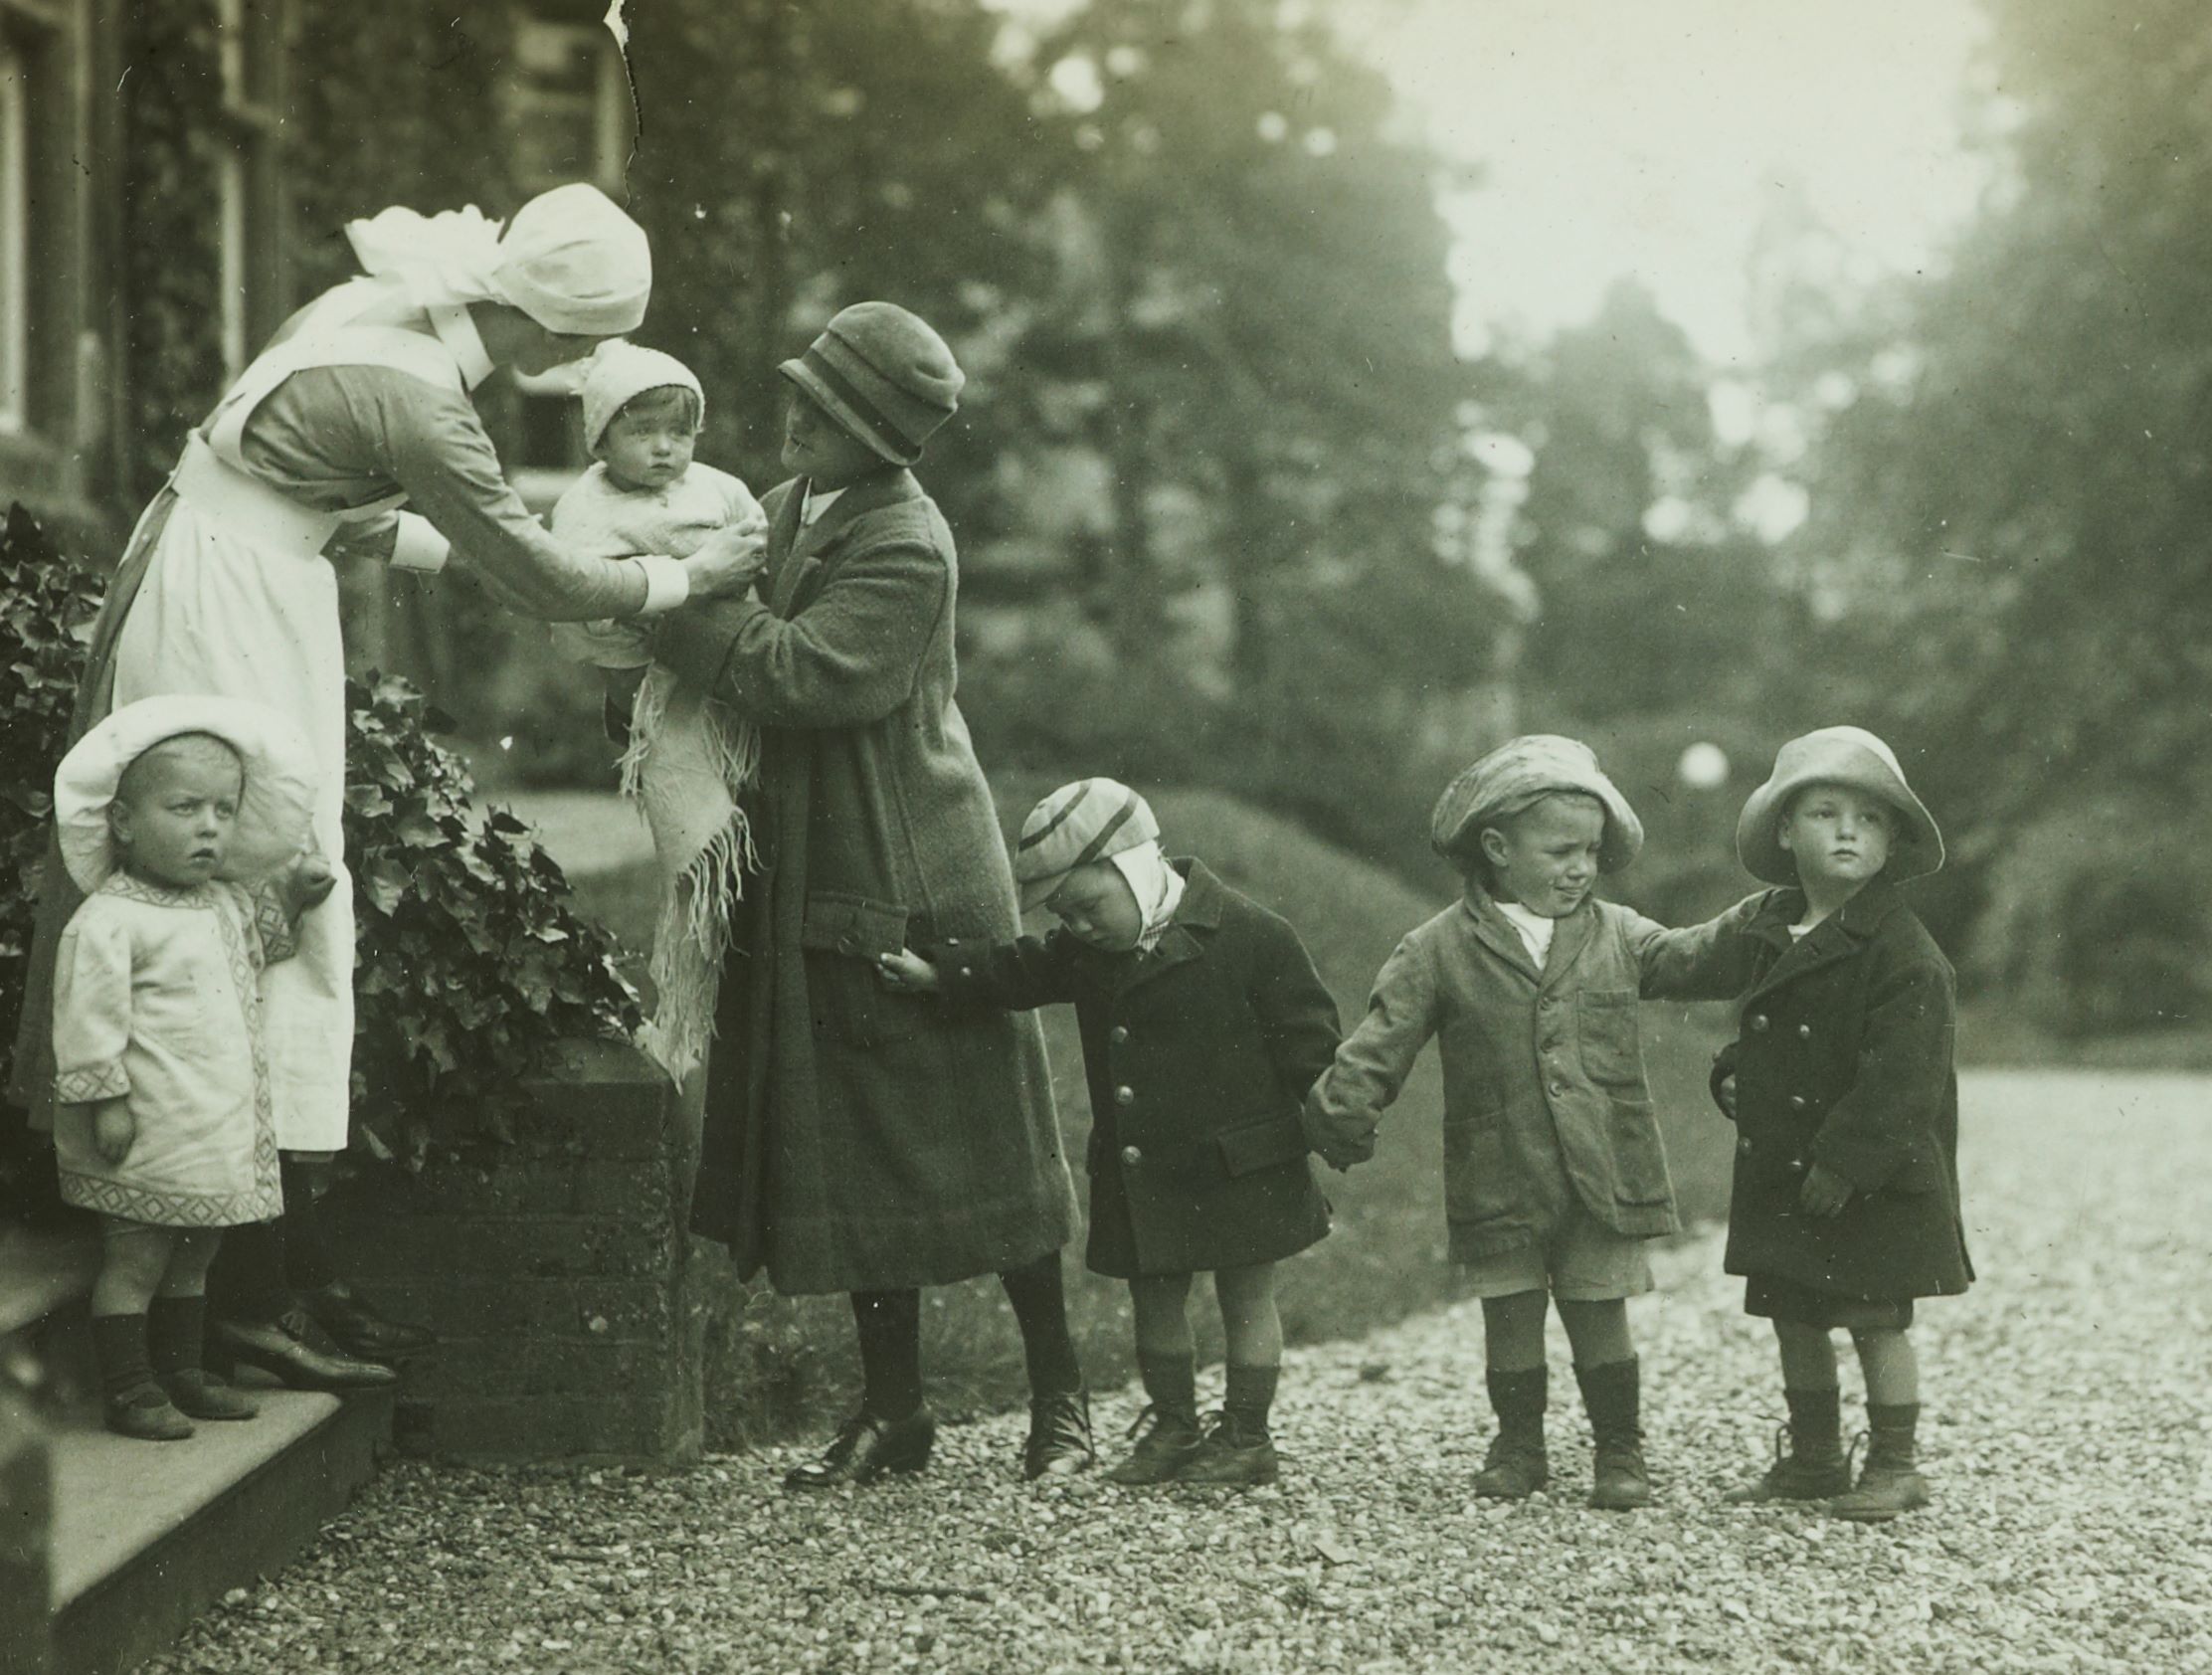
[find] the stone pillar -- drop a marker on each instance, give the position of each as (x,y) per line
(26,1513)
(554,1271)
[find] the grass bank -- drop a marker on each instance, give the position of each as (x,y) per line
(776,1362)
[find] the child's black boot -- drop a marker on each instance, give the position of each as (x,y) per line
(1169,1424)
(1811,1467)
(176,1329)
(1516,1466)
(135,1404)
(1891,1483)
(1236,1448)
(1612,1394)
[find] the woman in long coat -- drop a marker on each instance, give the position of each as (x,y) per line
(360,404)
(857,1139)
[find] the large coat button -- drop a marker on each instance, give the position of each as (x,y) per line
(1804,1032)
(1125,1095)
(1797,1102)
(1759,1024)
(1131,1156)
(1118,1033)
(1744,1147)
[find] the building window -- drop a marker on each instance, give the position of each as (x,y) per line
(566,99)
(566,109)
(254,291)
(15,216)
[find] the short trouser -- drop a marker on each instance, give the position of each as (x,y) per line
(1578,1259)
(1800,1305)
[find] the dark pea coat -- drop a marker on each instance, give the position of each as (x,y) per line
(1196,1054)
(1843,1057)
(854,1138)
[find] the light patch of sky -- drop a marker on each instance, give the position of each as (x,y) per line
(1650,139)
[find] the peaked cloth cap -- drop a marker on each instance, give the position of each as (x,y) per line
(1846,756)
(883,375)
(570,258)
(1522,771)
(276,808)
(618,373)
(1090,820)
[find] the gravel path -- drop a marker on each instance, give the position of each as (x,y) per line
(2069,1439)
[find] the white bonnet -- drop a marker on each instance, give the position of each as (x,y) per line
(620,372)
(276,810)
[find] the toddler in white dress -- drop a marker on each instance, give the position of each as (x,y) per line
(186,822)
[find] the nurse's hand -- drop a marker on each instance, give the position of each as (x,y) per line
(729,562)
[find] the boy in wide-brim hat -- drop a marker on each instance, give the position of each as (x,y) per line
(1845,1203)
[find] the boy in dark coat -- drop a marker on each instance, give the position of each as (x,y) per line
(1845,1206)
(1203,1023)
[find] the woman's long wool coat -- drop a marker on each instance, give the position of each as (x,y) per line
(856,1137)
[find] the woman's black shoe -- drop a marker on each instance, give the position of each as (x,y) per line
(1059,1435)
(867,1448)
(359,1329)
(295,1349)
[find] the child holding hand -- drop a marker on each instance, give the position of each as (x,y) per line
(687,759)
(1845,1205)
(1203,1023)
(184,819)
(1554,1174)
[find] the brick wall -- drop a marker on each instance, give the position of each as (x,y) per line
(554,1271)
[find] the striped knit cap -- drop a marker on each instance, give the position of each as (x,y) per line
(884,377)
(1075,825)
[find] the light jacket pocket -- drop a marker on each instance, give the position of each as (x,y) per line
(1605,1029)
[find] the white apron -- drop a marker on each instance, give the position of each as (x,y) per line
(239,601)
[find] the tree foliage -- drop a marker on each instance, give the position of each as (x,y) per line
(2012,509)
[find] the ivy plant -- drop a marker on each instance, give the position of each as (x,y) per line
(471,963)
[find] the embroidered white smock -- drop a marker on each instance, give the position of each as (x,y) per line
(157,1000)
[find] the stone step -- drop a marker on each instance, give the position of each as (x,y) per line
(148,1535)
(143,1537)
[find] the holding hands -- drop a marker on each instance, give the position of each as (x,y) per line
(908,973)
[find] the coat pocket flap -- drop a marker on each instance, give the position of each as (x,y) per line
(853,926)
(1262,1145)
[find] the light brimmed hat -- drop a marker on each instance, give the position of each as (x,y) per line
(1073,827)
(883,375)
(618,373)
(276,810)
(1847,756)
(1522,771)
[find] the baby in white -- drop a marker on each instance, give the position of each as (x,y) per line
(687,759)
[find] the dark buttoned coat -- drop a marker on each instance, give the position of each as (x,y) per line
(1196,1054)
(1843,1057)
